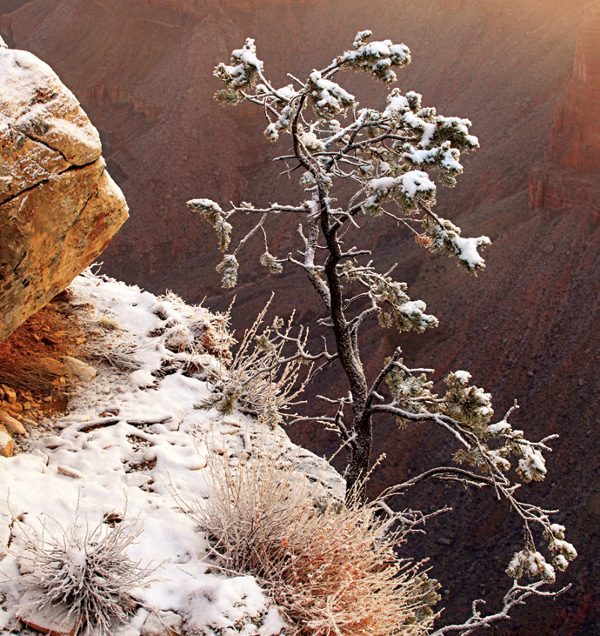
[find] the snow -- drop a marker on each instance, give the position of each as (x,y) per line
(247,65)
(466,249)
(21,72)
(329,98)
(22,77)
(150,458)
(499,428)
(205,204)
(462,376)
(311,142)
(287,93)
(533,464)
(376,57)
(409,183)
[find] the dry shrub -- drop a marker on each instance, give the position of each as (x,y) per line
(85,570)
(327,566)
(264,378)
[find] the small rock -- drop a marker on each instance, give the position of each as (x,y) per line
(232,421)
(15,407)
(12,424)
(445,541)
(53,620)
(202,462)
(6,444)
(80,369)
(53,366)
(163,624)
(69,472)
(9,394)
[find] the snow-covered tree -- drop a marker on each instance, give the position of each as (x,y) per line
(356,162)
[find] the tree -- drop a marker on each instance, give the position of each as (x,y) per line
(356,162)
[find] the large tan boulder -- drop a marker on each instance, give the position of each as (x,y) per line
(59,208)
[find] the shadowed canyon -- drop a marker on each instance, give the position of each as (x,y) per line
(527,74)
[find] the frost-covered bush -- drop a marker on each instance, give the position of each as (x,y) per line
(330,568)
(263,378)
(353,163)
(86,571)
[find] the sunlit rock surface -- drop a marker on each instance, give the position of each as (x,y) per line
(59,208)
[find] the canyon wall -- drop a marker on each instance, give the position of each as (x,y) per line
(525,73)
(568,176)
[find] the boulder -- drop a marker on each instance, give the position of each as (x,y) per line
(59,208)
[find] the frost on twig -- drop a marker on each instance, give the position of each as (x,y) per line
(515,596)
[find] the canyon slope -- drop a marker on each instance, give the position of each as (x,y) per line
(525,72)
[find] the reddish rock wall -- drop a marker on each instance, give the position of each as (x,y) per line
(569,175)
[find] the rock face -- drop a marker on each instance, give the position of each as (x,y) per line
(568,176)
(59,208)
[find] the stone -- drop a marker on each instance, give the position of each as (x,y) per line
(59,208)
(12,424)
(9,393)
(163,624)
(53,620)
(16,407)
(79,369)
(52,366)
(69,472)
(6,444)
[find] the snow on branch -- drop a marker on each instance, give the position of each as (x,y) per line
(244,67)
(377,58)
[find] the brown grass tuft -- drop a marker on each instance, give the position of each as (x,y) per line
(52,332)
(327,566)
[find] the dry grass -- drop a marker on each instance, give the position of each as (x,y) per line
(327,566)
(50,333)
(264,378)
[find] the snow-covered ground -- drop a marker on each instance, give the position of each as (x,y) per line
(132,445)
